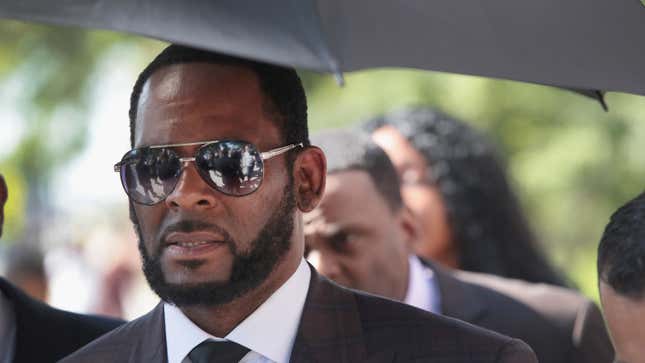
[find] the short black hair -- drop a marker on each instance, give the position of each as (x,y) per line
(354,150)
(285,98)
(621,252)
(484,214)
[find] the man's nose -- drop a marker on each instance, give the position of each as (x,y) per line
(191,191)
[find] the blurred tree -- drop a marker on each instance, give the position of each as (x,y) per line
(45,76)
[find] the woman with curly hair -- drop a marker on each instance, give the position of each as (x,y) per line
(454,181)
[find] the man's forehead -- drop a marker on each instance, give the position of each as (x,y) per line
(166,81)
(218,101)
(349,189)
(328,217)
(316,222)
(345,196)
(616,302)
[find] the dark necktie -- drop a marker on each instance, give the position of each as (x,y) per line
(217,352)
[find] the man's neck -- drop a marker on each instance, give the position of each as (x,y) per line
(220,320)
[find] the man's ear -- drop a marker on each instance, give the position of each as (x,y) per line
(309,175)
(409,227)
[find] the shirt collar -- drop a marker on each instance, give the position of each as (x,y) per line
(423,291)
(259,331)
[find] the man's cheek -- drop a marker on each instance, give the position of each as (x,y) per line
(149,225)
(244,228)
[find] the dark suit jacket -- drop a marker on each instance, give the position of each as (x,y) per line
(559,324)
(341,326)
(45,334)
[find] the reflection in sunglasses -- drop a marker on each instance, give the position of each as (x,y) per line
(234,168)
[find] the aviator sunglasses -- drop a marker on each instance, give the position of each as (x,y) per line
(232,167)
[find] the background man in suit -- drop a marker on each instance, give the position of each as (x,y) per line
(31,331)
(621,272)
(223,245)
(361,235)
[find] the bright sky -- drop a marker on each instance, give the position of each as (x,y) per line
(89,179)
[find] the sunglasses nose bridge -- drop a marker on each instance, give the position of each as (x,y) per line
(184,164)
(189,192)
(186,160)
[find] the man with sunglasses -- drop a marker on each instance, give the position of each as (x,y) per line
(219,177)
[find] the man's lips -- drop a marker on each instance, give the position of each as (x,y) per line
(193,244)
(191,238)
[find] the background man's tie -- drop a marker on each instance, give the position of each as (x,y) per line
(217,352)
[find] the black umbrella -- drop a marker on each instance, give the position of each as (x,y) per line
(584,45)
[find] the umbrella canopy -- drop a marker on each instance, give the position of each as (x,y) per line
(576,44)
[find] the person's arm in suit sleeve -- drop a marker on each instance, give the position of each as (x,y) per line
(591,342)
(516,351)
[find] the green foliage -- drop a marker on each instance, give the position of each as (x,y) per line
(46,71)
(45,76)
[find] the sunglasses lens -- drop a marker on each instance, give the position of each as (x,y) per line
(149,175)
(232,167)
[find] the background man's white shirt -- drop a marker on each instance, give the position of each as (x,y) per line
(423,289)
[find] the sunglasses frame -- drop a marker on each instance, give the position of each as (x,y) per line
(264,155)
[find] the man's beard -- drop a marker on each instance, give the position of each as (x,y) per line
(250,269)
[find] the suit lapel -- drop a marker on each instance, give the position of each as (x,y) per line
(152,343)
(21,307)
(330,329)
(457,299)
(29,314)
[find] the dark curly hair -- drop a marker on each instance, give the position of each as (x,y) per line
(487,223)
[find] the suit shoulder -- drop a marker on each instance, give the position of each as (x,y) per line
(558,304)
(558,323)
(74,331)
(118,343)
(377,313)
(89,324)
(58,332)
(418,335)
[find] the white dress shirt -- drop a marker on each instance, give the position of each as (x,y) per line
(423,290)
(269,332)
(7,330)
